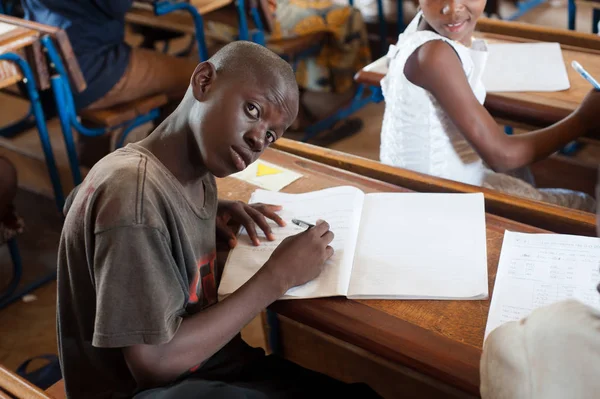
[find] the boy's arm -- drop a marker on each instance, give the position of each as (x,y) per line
(296,261)
(436,67)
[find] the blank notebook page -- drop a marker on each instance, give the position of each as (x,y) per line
(417,245)
(521,67)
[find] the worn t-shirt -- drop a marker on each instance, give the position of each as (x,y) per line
(136,256)
(96,30)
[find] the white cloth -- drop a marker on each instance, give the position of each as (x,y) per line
(417,134)
(370,12)
(552,354)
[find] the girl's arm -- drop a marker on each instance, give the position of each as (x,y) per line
(435,66)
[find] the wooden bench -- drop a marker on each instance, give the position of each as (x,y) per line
(118,114)
(546,216)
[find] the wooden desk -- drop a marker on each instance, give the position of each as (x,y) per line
(540,214)
(533,109)
(13,39)
(439,339)
(142,13)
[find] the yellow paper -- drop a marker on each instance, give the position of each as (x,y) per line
(265,170)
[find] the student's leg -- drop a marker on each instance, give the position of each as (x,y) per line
(148,73)
(279,378)
(8,186)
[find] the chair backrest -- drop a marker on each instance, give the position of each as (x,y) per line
(65,50)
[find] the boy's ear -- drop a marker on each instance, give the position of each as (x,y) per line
(202,79)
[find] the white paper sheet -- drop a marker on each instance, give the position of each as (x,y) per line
(536,270)
(522,67)
(378,66)
(4,28)
(340,207)
(267,175)
(421,245)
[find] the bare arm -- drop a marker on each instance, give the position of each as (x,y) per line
(297,260)
(436,67)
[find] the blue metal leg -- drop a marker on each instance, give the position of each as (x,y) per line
(165,7)
(508,130)
(524,7)
(400,17)
(140,120)
(40,120)
(570,148)
(358,102)
(572,7)
(65,125)
(274,339)
(258,35)
(20,126)
(382,26)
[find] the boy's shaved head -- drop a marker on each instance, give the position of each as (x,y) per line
(245,97)
(253,62)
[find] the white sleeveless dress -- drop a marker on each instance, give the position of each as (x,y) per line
(417,134)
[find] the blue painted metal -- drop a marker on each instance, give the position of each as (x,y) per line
(524,7)
(572,13)
(165,7)
(11,294)
(570,148)
(67,113)
(508,130)
(358,102)
(149,117)
(258,34)
(40,122)
(244,33)
(595,20)
(274,340)
(19,126)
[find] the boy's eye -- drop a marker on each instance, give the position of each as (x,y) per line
(271,137)
(252,110)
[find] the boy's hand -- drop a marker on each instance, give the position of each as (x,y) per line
(300,258)
(248,216)
(589,113)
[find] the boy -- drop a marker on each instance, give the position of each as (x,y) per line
(137,305)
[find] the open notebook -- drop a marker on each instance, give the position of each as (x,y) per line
(387,245)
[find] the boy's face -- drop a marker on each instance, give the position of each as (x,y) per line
(240,118)
(454,19)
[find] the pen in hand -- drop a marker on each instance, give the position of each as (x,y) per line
(301,223)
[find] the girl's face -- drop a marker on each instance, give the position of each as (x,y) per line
(454,19)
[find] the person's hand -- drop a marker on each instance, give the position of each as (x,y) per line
(300,258)
(249,216)
(588,113)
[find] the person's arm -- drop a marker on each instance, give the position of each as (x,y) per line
(296,261)
(436,67)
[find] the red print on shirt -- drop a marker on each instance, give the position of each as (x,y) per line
(205,274)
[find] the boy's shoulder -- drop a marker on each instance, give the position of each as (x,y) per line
(122,189)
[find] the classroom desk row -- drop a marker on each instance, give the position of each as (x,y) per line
(532,109)
(441,340)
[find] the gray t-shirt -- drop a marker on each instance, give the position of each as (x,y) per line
(135,257)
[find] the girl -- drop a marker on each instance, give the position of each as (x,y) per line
(435,122)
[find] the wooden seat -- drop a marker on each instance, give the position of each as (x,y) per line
(177,21)
(113,116)
(57,391)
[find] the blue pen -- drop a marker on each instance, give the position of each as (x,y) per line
(585,74)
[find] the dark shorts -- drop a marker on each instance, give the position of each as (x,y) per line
(257,378)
